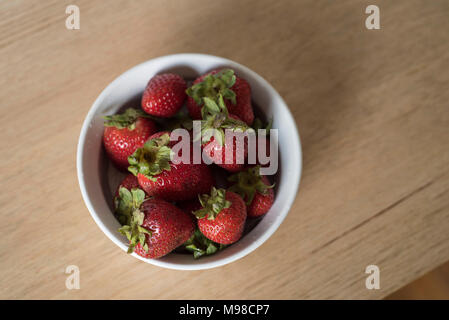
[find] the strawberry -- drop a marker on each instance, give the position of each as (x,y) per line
(162,178)
(122,209)
(164,95)
(156,227)
(216,147)
(123,199)
(129,182)
(235,90)
(198,244)
(124,133)
(254,189)
(222,216)
(217,153)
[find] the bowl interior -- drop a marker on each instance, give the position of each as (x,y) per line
(98,179)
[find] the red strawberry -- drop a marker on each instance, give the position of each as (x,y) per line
(164,95)
(156,227)
(254,189)
(217,153)
(222,217)
(162,178)
(124,133)
(217,147)
(129,182)
(235,90)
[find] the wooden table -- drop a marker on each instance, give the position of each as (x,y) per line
(372,108)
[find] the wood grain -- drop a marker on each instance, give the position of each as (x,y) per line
(371,107)
(432,286)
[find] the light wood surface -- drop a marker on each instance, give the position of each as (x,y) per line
(432,286)
(372,108)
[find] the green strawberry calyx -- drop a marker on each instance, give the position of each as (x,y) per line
(126,119)
(247,183)
(153,158)
(213,85)
(216,120)
(212,204)
(126,202)
(128,207)
(200,246)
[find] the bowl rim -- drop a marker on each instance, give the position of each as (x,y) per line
(296,148)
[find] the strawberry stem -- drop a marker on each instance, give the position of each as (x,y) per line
(247,183)
(128,205)
(126,119)
(153,158)
(214,85)
(216,117)
(212,204)
(199,245)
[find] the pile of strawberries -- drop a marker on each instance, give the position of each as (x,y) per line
(163,205)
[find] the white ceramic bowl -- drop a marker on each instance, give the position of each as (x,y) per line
(98,179)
